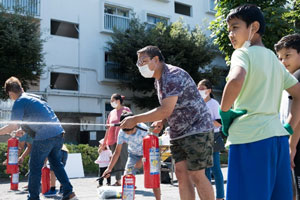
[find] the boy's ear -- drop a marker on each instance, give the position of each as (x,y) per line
(255,26)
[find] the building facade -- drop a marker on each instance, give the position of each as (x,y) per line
(79,80)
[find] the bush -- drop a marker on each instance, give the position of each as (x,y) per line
(3,149)
(89,155)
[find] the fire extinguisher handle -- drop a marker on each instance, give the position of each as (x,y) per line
(143,129)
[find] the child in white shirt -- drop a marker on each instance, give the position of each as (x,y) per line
(103,161)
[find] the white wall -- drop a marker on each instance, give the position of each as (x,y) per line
(85,56)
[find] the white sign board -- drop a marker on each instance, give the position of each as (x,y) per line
(74,167)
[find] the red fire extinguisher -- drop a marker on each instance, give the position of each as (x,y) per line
(128,186)
(12,166)
(45,179)
(151,161)
(14,181)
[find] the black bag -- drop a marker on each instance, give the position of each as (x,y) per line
(218,142)
(164,174)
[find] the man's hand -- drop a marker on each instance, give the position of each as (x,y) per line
(128,123)
(228,117)
(106,173)
(158,126)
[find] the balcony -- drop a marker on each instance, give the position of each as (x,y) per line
(113,71)
(114,21)
(31,7)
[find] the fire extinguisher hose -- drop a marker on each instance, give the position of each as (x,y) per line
(118,170)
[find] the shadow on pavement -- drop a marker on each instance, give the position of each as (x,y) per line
(144,193)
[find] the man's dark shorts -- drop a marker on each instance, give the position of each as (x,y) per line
(196,149)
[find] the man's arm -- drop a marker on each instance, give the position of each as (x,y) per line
(294,119)
(233,87)
(294,116)
(159,113)
(8,129)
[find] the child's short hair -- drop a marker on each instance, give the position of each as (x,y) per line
(249,13)
(291,41)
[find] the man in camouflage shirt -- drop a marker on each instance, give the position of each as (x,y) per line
(189,120)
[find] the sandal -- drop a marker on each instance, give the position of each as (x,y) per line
(116,184)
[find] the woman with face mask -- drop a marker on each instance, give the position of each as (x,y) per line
(205,90)
(112,132)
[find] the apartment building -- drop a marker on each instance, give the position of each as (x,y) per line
(79,75)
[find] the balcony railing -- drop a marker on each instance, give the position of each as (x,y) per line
(31,7)
(113,71)
(115,21)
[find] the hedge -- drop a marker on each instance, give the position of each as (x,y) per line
(89,155)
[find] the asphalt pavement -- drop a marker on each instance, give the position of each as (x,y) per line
(86,189)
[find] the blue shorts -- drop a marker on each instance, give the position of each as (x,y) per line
(260,170)
(132,160)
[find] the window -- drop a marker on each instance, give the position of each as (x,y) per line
(152,19)
(211,5)
(182,9)
(115,17)
(63,81)
(116,11)
(65,29)
(113,69)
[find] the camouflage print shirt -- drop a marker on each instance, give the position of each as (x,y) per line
(190,115)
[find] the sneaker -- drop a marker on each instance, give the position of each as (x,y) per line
(50,193)
(72,196)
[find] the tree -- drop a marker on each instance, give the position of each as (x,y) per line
(294,15)
(277,24)
(190,50)
(20,48)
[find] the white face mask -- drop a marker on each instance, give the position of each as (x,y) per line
(203,94)
(145,71)
(247,43)
(113,104)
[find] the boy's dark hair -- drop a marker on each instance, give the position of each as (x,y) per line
(152,51)
(118,97)
(208,85)
(123,116)
(291,41)
(249,13)
(13,84)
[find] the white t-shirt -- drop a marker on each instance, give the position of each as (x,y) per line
(104,158)
(134,141)
(213,106)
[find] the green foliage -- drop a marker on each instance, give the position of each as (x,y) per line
(294,15)
(89,155)
(3,149)
(181,47)
(277,23)
(20,48)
